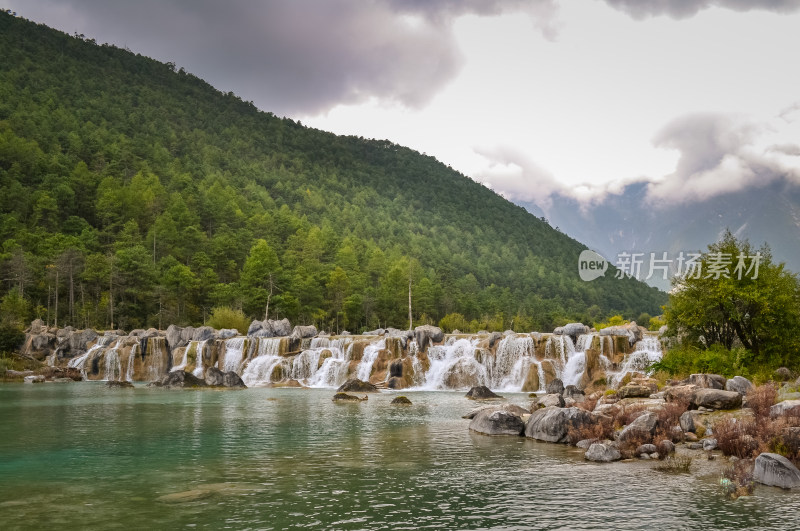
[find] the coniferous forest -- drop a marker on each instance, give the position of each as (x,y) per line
(135,194)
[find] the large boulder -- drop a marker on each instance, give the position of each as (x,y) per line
(354,385)
(508,408)
(740,384)
(227,333)
(79,339)
(679,393)
(497,422)
(37,327)
(174,337)
(179,380)
(427,334)
(636,390)
(232,380)
(573,330)
(776,471)
(300,332)
(783,408)
(214,377)
(204,333)
(259,329)
(602,452)
(644,424)
(715,399)
(687,420)
(376,332)
(280,328)
(708,381)
(631,330)
(481,392)
(552,424)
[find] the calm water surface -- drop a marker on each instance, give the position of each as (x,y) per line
(80,455)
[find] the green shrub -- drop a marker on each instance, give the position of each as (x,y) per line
(453,321)
(226,317)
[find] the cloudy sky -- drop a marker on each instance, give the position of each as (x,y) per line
(532,98)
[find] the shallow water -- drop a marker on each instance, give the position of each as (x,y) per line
(81,455)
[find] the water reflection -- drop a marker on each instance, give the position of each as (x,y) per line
(77,456)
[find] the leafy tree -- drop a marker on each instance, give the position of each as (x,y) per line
(259,276)
(738,294)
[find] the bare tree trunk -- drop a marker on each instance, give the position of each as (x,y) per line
(410,324)
(269,298)
(111,294)
(56,310)
(71,298)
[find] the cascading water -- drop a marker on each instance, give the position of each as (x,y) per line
(155,358)
(113,366)
(333,371)
(199,370)
(647,351)
(371,351)
(234,350)
(259,370)
(559,347)
(80,361)
(131,359)
(511,363)
(454,366)
(184,361)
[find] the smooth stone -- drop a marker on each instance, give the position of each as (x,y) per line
(602,453)
(776,471)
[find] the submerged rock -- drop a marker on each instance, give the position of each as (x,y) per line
(776,471)
(401,400)
(602,452)
(354,385)
(344,397)
(481,392)
(497,422)
(217,378)
(119,384)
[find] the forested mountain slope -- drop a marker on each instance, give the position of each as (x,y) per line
(133,187)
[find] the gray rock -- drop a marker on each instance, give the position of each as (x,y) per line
(481,392)
(573,330)
(214,377)
(179,380)
(300,332)
(586,443)
(783,408)
(646,449)
(645,423)
(783,374)
(687,421)
(232,380)
(204,333)
(708,381)
(428,334)
(508,408)
(280,328)
(227,333)
(635,391)
(695,446)
(555,387)
(497,422)
(644,456)
(552,424)
(354,385)
(776,471)
(602,453)
(174,337)
(551,400)
(122,384)
(43,341)
(187,334)
(709,444)
(34,378)
(376,332)
(37,327)
(572,391)
(258,329)
(79,339)
(716,399)
(631,331)
(740,384)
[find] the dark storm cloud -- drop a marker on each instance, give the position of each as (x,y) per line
(291,57)
(681,9)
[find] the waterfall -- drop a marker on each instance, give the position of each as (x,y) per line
(333,371)
(234,350)
(364,370)
(306,363)
(155,358)
(79,362)
(511,363)
(647,352)
(183,362)
(454,366)
(574,369)
(113,368)
(199,370)
(131,359)
(259,370)
(559,347)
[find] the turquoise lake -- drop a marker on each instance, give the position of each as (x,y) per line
(82,456)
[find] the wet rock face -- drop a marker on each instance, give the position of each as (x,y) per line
(496,422)
(481,392)
(426,334)
(214,376)
(555,387)
(776,471)
(354,385)
(715,399)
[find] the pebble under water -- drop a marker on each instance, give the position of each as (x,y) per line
(80,455)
